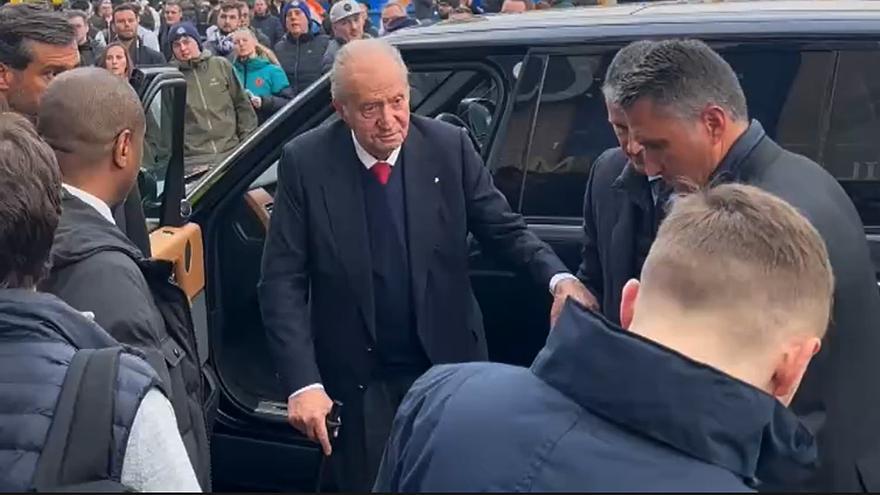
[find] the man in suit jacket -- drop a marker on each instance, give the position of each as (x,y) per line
(686,114)
(365,279)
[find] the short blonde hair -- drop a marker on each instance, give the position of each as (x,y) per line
(737,248)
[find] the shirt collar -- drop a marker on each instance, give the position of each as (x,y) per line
(92,201)
(369,160)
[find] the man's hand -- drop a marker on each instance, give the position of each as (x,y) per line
(570,288)
(307,412)
(256,102)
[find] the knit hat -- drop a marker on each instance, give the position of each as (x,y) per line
(344,9)
(184,29)
(296,4)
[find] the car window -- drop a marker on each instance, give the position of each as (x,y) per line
(784,89)
(852,147)
(157,151)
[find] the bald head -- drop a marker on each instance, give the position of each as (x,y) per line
(102,153)
(364,57)
(104,106)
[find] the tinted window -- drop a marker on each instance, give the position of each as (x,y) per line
(852,146)
(157,151)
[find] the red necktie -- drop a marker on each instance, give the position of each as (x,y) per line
(382,170)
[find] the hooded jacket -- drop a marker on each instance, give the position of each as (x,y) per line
(219,114)
(301,57)
(600,410)
(96,268)
(266,80)
(39,335)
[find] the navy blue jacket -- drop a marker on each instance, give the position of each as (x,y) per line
(39,335)
(601,409)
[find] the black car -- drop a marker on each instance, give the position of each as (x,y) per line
(527,87)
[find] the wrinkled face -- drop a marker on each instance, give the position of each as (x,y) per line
(173,14)
(80,28)
(350,28)
(617,119)
(186,49)
(673,147)
(105,10)
(513,7)
(297,22)
(125,23)
(228,21)
(245,14)
(390,13)
(24,88)
(115,61)
(261,7)
(376,104)
(245,44)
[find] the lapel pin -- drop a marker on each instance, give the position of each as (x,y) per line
(436,180)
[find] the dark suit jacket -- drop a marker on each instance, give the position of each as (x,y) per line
(837,397)
(316,291)
(618,229)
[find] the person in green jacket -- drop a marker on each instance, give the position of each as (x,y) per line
(219,114)
(259,72)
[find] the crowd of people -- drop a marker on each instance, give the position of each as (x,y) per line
(706,374)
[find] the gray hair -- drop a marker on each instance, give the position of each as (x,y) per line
(354,50)
(625,60)
(682,75)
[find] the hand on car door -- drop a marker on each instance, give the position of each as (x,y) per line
(307,412)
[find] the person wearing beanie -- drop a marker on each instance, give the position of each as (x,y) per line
(219,114)
(300,52)
(348,20)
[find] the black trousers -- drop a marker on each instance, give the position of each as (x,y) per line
(366,424)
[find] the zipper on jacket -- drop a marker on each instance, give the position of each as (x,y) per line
(205,103)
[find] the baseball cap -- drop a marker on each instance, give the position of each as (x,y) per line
(343,9)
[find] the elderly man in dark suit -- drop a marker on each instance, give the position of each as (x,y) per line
(687,122)
(365,272)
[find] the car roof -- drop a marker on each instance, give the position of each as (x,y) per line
(706,18)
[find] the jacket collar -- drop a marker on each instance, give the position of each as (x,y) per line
(634,184)
(735,163)
(659,393)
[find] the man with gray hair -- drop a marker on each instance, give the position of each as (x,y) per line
(688,118)
(365,280)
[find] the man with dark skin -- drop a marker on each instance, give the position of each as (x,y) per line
(35,46)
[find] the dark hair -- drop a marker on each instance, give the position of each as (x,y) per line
(102,58)
(73,14)
(24,22)
(242,5)
(127,7)
(684,75)
(171,3)
(82,5)
(229,5)
(30,205)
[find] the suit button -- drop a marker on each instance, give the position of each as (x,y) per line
(362,387)
(369,349)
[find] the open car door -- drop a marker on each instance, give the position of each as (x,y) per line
(165,211)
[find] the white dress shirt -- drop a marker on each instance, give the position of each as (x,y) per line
(92,201)
(368,161)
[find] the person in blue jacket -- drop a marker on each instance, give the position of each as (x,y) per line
(259,72)
(734,299)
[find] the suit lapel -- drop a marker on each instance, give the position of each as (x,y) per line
(422,182)
(344,201)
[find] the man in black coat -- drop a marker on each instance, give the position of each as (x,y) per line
(365,280)
(266,22)
(126,20)
(300,52)
(95,267)
(687,116)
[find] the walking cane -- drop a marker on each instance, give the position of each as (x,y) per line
(334,423)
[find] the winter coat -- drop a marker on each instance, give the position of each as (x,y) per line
(301,58)
(266,80)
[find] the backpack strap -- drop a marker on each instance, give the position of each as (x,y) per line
(80,440)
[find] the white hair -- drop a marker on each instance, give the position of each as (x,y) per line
(354,50)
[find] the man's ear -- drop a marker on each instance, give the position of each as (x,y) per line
(791,367)
(340,110)
(715,120)
(6,75)
(628,302)
(123,150)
